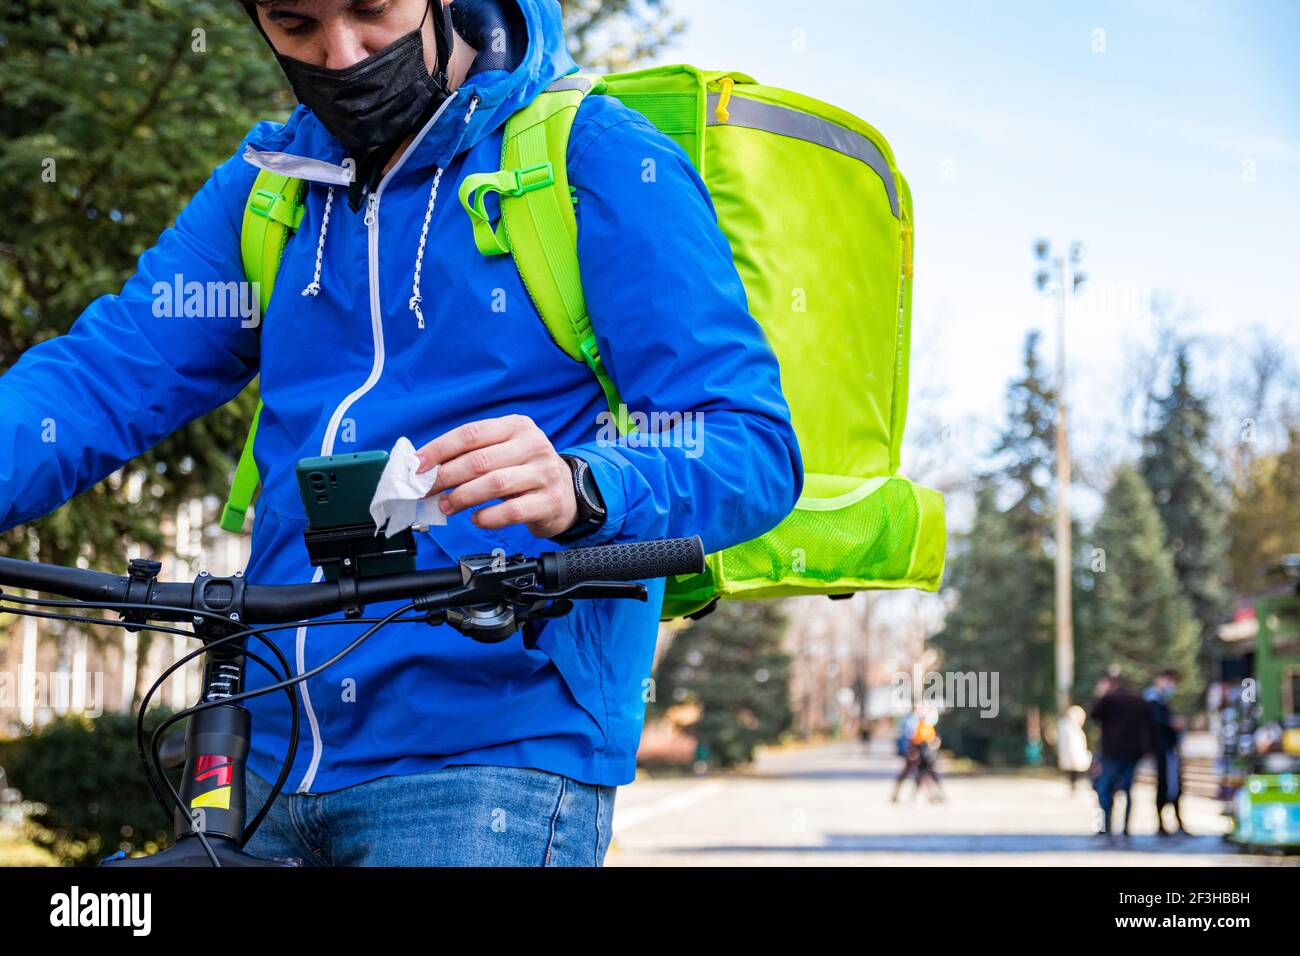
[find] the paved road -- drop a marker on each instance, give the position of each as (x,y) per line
(829,806)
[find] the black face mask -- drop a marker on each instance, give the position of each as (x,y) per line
(379,101)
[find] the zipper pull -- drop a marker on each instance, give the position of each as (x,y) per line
(724,100)
(372,209)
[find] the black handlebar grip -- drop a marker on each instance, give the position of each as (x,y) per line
(624,562)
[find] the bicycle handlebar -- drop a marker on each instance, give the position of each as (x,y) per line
(78,583)
(280,604)
(485,597)
(625,562)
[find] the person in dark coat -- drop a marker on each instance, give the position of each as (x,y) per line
(1166,731)
(1125,736)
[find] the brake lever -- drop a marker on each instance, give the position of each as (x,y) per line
(587,589)
(491,617)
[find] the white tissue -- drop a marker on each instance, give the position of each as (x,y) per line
(399,500)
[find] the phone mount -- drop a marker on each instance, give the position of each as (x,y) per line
(347,552)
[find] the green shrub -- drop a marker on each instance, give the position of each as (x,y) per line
(91,797)
(730,665)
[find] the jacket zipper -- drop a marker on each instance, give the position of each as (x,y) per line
(331,432)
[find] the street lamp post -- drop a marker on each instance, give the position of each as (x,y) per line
(1059,277)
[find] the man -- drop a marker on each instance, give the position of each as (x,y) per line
(423,747)
(1166,730)
(1122,716)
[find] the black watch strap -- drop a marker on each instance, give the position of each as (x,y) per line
(591,506)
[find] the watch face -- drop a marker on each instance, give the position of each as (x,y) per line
(591,506)
(583,486)
(587,490)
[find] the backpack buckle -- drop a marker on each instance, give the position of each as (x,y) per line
(590,353)
(262,201)
(511,183)
(270,204)
(532,178)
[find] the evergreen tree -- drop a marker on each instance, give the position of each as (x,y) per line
(1265,516)
(1025,452)
(1137,616)
(1001,624)
(1002,572)
(731,666)
(112,114)
(1178,466)
(612,35)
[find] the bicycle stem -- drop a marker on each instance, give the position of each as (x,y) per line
(217,739)
(213,785)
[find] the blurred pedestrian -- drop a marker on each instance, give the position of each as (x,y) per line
(1125,737)
(1166,734)
(1072,754)
(918,743)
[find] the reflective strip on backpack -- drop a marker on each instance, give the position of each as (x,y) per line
(575,81)
(796,124)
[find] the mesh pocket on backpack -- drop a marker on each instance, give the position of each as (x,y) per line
(864,536)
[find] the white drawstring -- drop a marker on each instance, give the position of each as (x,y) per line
(419,253)
(414,304)
(314,286)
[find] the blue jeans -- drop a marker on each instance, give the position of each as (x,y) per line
(1116,776)
(457,816)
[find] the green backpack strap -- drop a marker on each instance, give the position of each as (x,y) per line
(245,484)
(538,225)
(274,211)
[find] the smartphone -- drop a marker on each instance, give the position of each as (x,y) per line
(336,492)
(336,489)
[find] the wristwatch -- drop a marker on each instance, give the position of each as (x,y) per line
(591,506)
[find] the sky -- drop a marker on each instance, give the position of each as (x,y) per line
(1165,136)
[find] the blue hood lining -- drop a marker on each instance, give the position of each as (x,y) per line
(497,30)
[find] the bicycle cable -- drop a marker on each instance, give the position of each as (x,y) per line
(285,684)
(149,771)
(156,739)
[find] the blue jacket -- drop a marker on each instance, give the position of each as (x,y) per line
(351,368)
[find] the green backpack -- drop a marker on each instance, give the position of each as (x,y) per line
(826,260)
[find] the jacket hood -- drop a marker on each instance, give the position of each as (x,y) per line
(522,51)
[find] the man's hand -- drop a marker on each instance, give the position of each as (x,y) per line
(507,458)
